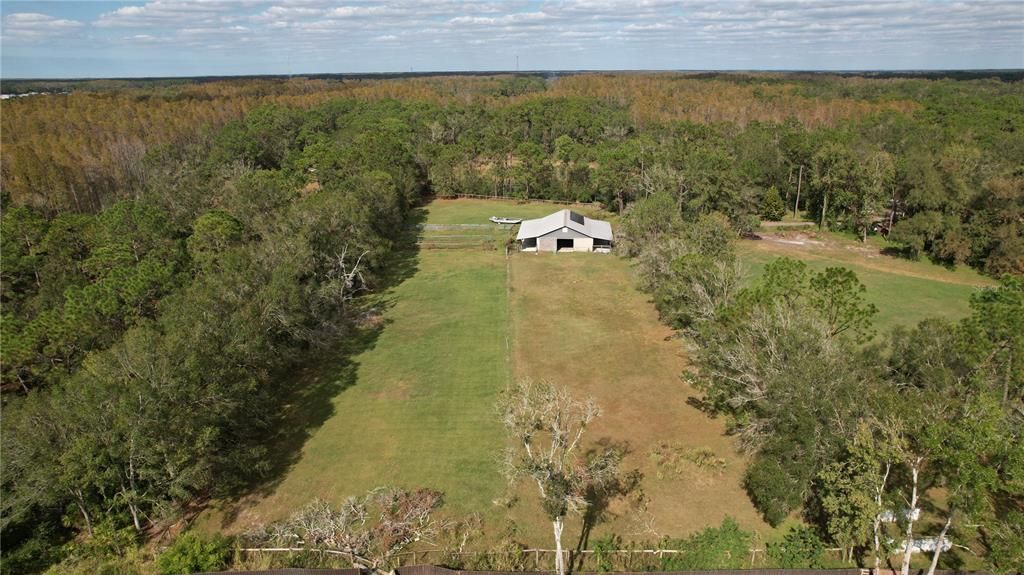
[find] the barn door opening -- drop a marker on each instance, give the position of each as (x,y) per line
(564,245)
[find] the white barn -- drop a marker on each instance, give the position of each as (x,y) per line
(565,231)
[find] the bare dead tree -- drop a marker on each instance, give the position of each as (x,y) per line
(548,425)
(371,530)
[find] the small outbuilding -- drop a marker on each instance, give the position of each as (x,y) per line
(565,231)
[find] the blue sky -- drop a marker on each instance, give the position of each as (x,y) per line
(228,37)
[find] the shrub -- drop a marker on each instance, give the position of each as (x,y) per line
(723,547)
(672,459)
(647,221)
(800,548)
(773,491)
(603,552)
(772,206)
(191,553)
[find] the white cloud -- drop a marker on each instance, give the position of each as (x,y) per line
(168,13)
(504,20)
(362,11)
(279,13)
(479,33)
(31,26)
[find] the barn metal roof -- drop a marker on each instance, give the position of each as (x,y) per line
(597,229)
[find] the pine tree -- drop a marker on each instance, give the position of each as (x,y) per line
(772,206)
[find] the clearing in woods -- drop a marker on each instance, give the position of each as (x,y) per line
(415,406)
(904,291)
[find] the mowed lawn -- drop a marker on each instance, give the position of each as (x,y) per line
(578,321)
(905,292)
(418,411)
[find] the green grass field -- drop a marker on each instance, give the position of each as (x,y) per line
(905,292)
(416,406)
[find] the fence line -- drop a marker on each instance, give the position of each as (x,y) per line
(438,227)
(482,197)
(526,551)
(456,246)
(295,550)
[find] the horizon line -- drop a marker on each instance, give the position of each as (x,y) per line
(410,73)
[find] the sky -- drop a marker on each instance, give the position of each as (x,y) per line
(47,39)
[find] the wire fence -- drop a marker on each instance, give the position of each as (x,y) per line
(515,199)
(438,570)
(518,560)
(461,236)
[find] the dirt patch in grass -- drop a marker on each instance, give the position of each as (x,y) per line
(805,244)
(394,391)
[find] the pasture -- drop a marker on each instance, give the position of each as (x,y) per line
(904,291)
(413,405)
(578,321)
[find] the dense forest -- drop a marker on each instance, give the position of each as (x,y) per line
(940,158)
(169,249)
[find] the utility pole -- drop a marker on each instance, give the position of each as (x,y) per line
(799,180)
(824,206)
(517,62)
(892,212)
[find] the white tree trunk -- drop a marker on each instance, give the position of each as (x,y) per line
(558,525)
(879,490)
(908,544)
(800,180)
(85,514)
(135,517)
(878,543)
(938,545)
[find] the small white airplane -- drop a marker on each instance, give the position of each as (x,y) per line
(498,220)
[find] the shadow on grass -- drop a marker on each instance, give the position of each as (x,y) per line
(625,484)
(906,254)
(305,393)
(703,405)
